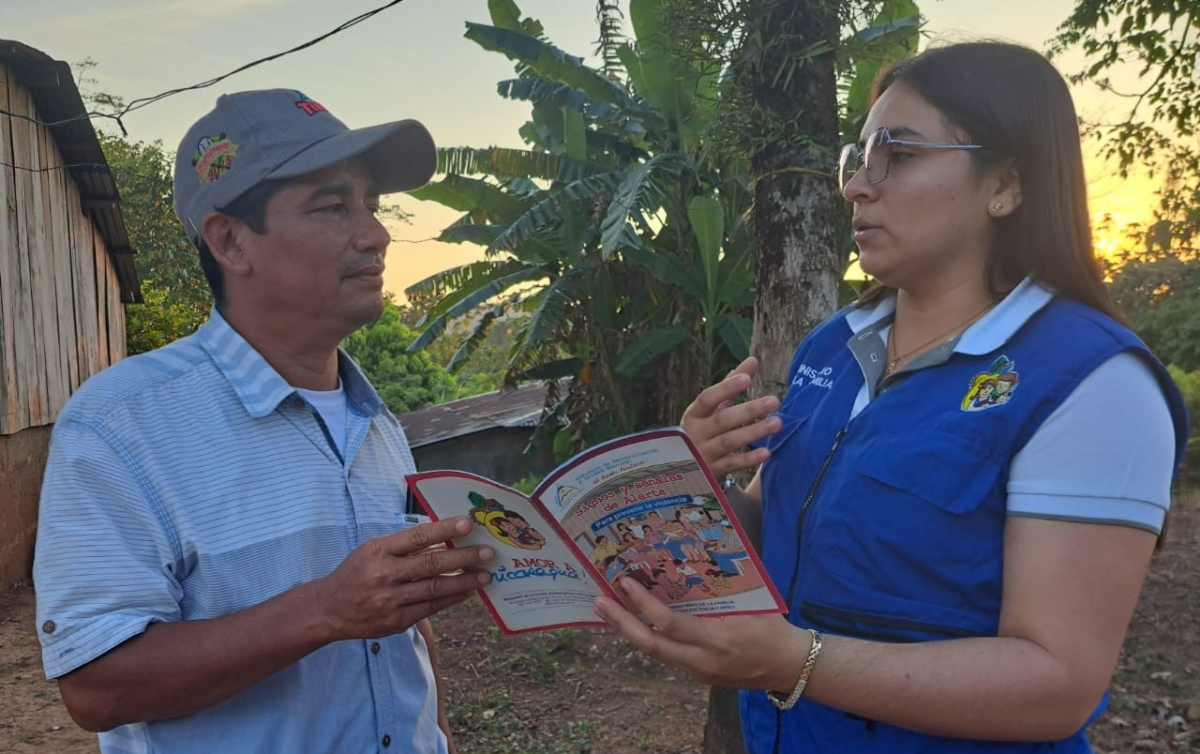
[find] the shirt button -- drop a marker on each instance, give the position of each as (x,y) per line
(49,626)
(387,740)
(374,647)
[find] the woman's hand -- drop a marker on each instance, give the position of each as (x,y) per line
(742,651)
(720,428)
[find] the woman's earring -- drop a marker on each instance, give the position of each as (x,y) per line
(997,207)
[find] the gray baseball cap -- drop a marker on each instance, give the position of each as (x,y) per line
(270,134)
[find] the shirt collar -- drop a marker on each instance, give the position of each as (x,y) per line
(993,329)
(259,387)
(359,390)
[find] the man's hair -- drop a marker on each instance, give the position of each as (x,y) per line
(251,209)
(1012,101)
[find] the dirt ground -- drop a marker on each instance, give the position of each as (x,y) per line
(582,691)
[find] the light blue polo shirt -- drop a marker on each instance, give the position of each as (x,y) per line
(191,482)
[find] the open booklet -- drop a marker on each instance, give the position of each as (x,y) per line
(642,507)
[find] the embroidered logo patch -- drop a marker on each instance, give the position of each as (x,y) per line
(992,388)
(812,376)
(214,157)
(309,106)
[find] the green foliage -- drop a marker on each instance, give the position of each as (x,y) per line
(591,232)
(405,381)
(1156,282)
(527,484)
(484,371)
(620,233)
(1189,385)
(1161,39)
(159,319)
(892,35)
(1158,292)
(176,298)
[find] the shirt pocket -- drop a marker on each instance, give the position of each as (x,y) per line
(791,425)
(948,473)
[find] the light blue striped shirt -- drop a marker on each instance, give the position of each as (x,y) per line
(191,482)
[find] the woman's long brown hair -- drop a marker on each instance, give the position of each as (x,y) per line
(1010,100)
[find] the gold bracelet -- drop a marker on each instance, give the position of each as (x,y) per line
(809,664)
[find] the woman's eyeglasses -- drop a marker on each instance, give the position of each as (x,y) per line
(876,156)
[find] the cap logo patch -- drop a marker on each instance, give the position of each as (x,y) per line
(309,106)
(214,157)
(992,388)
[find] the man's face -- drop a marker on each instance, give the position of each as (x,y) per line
(320,262)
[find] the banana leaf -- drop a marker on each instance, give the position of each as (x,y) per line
(647,348)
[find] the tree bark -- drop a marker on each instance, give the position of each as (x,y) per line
(723,729)
(796,201)
(796,213)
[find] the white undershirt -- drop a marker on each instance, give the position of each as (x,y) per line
(331,405)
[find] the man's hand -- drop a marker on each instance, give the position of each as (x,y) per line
(720,428)
(392,582)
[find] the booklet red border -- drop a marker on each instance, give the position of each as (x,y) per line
(644,507)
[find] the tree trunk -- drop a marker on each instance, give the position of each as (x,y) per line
(796,212)
(723,729)
(796,201)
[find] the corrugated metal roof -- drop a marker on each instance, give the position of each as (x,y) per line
(56,97)
(500,410)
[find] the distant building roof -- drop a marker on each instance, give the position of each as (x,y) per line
(56,98)
(500,410)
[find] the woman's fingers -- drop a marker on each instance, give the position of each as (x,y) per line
(660,632)
(713,397)
(731,462)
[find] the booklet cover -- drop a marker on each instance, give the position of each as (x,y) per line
(642,507)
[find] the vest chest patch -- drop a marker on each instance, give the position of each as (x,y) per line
(992,387)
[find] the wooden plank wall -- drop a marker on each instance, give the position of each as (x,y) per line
(61,319)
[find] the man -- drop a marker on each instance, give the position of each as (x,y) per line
(224,563)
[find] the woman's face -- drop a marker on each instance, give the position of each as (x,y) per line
(926,227)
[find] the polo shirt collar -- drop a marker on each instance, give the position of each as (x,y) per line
(993,329)
(256,383)
(359,390)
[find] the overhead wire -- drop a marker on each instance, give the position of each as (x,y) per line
(142,102)
(93,165)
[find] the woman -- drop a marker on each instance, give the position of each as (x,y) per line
(957,580)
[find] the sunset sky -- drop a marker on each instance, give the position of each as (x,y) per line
(412,61)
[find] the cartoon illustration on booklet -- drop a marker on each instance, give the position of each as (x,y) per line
(642,507)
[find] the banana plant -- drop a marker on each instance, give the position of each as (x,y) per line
(619,234)
(615,232)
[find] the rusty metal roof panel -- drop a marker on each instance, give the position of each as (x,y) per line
(505,409)
(59,103)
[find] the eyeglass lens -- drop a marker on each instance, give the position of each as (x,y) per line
(874,157)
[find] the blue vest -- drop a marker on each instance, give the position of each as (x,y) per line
(890,526)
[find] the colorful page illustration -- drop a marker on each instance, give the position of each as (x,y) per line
(645,508)
(537,581)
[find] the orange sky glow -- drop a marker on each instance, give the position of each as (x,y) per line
(412,61)
(1124,201)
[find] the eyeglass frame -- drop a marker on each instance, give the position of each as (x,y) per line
(886,140)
